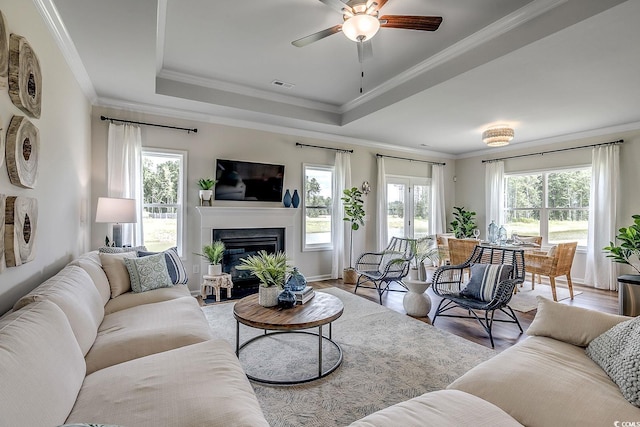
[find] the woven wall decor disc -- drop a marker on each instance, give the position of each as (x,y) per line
(21,219)
(3,204)
(23,152)
(25,80)
(4,52)
(1,143)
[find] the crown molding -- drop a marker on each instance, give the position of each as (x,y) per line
(52,19)
(501,26)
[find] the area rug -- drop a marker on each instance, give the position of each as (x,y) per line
(525,299)
(388,357)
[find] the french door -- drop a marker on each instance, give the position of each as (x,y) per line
(408,206)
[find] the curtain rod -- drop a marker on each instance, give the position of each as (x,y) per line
(411,160)
(299,144)
(542,153)
(189,130)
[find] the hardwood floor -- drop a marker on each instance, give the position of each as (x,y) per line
(504,334)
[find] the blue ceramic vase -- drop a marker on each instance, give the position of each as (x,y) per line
(295,200)
(286,201)
(297,282)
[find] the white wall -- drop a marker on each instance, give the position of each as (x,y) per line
(214,141)
(470,178)
(63,186)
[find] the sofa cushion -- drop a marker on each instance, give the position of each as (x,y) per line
(617,351)
(573,325)
(147,329)
(116,271)
(176,269)
(148,273)
(41,366)
(197,385)
(439,408)
(90,262)
(543,382)
(73,291)
(131,299)
(485,279)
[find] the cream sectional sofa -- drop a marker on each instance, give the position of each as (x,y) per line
(69,353)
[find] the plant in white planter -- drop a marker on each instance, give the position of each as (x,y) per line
(214,253)
(270,269)
(353,213)
(206,189)
(423,248)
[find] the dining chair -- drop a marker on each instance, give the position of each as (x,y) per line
(554,263)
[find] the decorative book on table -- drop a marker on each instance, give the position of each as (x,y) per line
(304,295)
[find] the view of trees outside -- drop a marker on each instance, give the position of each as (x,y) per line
(557,202)
(396,210)
(318,205)
(160,178)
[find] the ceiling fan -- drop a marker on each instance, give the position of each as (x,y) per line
(361,23)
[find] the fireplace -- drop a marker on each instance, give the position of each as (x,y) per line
(243,242)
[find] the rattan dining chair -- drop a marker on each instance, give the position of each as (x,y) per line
(554,263)
(460,250)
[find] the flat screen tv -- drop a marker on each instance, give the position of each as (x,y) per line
(248,181)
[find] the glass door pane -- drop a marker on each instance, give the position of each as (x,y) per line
(421,197)
(396,210)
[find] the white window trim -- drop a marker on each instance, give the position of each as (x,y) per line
(409,181)
(182,192)
(314,247)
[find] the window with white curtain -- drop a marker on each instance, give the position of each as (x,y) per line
(317,204)
(408,209)
(163,209)
(552,203)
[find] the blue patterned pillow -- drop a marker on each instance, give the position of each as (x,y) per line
(148,273)
(176,269)
(119,250)
(484,280)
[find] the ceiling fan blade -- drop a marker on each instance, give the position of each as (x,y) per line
(365,50)
(338,5)
(377,4)
(317,36)
(422,23)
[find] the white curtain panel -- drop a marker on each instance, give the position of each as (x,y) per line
(339,227)
(494,190)
(438,210)
(601,271)
(124,154)
(382,239)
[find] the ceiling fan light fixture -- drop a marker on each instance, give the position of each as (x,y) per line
(361,27)
(498,136)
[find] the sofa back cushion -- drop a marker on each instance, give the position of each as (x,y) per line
(41,366)
(90,262)
(116,271)
(73,291)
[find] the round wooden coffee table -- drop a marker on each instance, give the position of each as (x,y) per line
(321,310)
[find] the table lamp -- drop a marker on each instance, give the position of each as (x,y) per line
(117,211)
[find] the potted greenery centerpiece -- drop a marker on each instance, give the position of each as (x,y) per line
(270,269)
(353,213)
(206,189)
(214,253)
(423,249)
(629,250)
(464,223)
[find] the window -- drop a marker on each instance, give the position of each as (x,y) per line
(163,199)
(407,206)
(318,206)
(553,204)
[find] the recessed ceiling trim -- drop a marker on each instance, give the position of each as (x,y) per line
(501,26)
(52,19)
(247,91)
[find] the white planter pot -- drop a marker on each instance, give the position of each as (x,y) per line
(268,297)
(413,274)
(215,269)
(206,196)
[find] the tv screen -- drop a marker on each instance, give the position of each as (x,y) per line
(250,181)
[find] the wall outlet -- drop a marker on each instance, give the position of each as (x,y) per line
(196,268)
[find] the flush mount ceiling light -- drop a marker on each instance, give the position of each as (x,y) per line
(497,136)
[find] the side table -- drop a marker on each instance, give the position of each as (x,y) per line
(212,284)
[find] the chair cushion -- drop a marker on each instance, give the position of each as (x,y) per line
(176,269)
(116,271)
(485,279)
(617,352)
(148,273)
(552,251)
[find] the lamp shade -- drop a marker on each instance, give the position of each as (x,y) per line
(361,25)
(111,209)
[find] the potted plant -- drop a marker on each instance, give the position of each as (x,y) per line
(464,223)
(423,249)
(353,213)
(270,269)
(214,253)
(206,192)
(629,250)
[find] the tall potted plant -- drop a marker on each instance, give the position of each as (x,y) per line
(214,253)
(353,213)
(270,269)
(464,223)
(628,252)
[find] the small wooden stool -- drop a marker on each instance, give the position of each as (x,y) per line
(214,283)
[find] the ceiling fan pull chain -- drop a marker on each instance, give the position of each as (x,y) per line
(361,76)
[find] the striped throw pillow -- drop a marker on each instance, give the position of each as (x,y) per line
(176,269)
(485,279)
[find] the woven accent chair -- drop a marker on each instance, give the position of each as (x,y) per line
(557,262)
(384,268)
(443,248)
(448,283)
(460,250)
